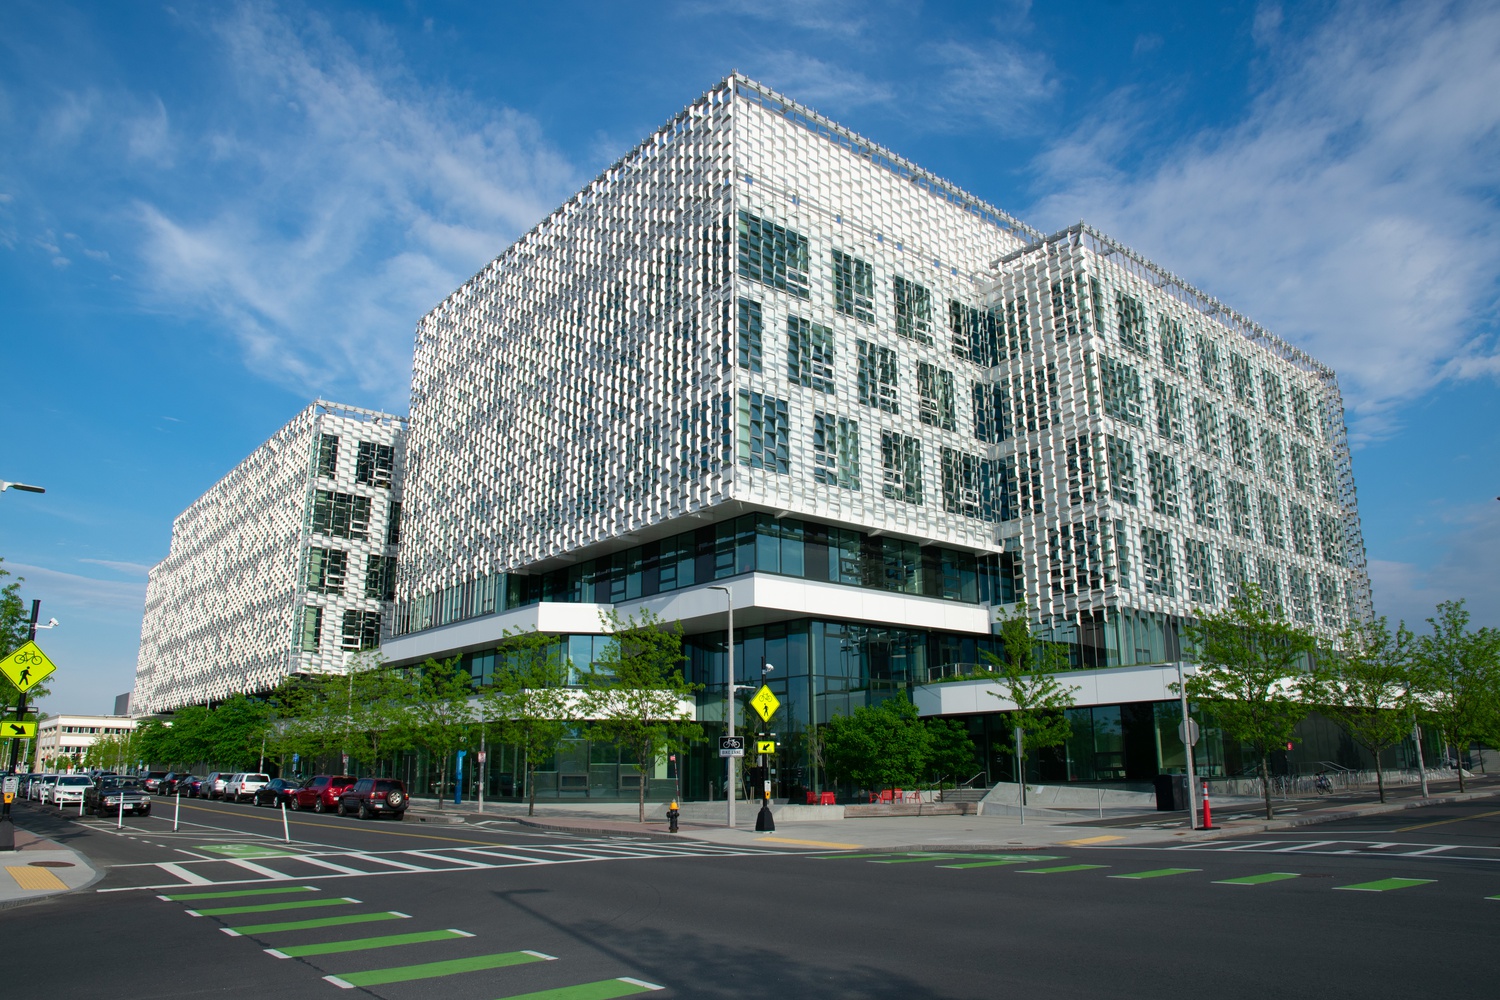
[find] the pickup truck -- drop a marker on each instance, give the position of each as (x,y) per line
(102,798)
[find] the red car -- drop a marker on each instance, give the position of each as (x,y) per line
(321,792)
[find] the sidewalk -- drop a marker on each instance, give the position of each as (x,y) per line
(955,833)
(38,868)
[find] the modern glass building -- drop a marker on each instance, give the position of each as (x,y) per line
(762,360)
(286,565)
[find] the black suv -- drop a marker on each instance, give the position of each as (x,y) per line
(372,797)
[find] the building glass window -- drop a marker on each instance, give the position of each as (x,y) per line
(1206,426)
(772,255)
(1302,474)
(809,354)
(968,486)
(328,456)
(1080,451)
(1299,594)
(341,515)
(1120,385)
(877,376)
(1064,308)
(1200,571)
(853,287)
(976,334)
(1331,538)
(764,436)
(374,464)
(749,329)
(1302,530)
(393,526)
(1268,575)
(326,569)
(1156,562)
(1302,411)
(913,310)
(1162,471)
(1173,344)
(992,417)
(1236,569)
(1170,423)
(312,629)
(1209,364)
(935,396)
(361,630)
(1242,379)
(1271,525)
(1241,448)
(380,577)
(1328,601)
(901,467)
(1123,485)
(1238,495)
(1274,394)
(1272,456)
(836,450)
(1205,497)
(1130,314)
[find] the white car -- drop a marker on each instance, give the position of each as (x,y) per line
(241,787)
(69,789)
(41,788)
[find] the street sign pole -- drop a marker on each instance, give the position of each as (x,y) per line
(730,762)
(7,830)
(1189,742)
(1021,773)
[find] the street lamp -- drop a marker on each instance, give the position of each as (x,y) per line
(729,703)
(24,487)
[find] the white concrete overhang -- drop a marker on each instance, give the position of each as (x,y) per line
(1111,686)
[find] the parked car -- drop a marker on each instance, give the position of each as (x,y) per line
(26,782)
(172,783)
(321,792)
(151,780)
(69,789)
(41,788)
(103,797)
(373,797)
(190,786)
(213,785)
(241,787)
(275,792)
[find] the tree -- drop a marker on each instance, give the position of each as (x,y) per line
(1028,673)
(950,749)
(441,713)
(637,695)
(878,747)
(1458,674)
(1251,665)
(385,709)
(1365,686)
(529,699)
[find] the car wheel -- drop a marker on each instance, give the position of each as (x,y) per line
(294,804)
(146,811)
(364,811)
(400,815)
(340,808)
(318,806)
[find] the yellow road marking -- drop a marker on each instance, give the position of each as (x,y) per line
(810,843)
(1092,840)
(28,877)
(1444,822)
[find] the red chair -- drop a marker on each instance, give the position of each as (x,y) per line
(810,798)
(827,799)
(885,796)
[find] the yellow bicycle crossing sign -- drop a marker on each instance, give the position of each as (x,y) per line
(27,667)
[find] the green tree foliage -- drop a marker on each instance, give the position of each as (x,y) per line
(115,752)
(878,747)
(950,750)
(1365,685)
(1251,666)
(1458,671)
(527,699)
(442,714)
(638,697)
(387,711)
(1027,674)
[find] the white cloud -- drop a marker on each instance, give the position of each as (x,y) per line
(817,83)
(128,568)
(1352,211)
(70,591)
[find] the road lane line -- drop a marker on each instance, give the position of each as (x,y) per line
(191,878)
(433,970)
(393,863)
(364,944)
(1445,822)
(445,858)
(319,862)
(1305,847)
(1385,884)
(251,866)
(1430,850)
(309,925)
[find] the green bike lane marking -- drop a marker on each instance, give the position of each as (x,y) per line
(604,989)
(182,897)
(1258,879)
(1060,869)
(1382,885)
(365,944)
(1158,873)
(285,904)
(920,857)
(432,970)
(308,925)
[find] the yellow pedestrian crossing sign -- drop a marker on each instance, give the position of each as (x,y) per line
(27,667)
(10,729)
(765,746)
(765,703)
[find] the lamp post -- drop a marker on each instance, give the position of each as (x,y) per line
(24,487)
(729,703)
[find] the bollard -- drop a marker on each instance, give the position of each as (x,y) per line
(1208,818)
(672,814)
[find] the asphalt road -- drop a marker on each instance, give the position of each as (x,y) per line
(1372,908)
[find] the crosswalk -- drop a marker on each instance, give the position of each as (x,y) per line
(245,862)
(1390,849)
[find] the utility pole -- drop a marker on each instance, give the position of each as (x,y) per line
(8,831)
(729,782)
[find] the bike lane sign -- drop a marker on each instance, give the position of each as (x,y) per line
(27,667)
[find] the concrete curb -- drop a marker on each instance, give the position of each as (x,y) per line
(57,852)
(1353,812)
(536,824)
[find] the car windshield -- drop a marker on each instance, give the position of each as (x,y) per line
(387,786)
(256,777)
(73,780)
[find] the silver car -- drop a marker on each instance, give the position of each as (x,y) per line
(242,787)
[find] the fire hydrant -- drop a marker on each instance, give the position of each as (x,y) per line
(672,814)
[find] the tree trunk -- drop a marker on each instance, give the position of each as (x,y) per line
(442,779)
(530,787)
(1380,775)
(1458,758)
(641,792)
(1265,781)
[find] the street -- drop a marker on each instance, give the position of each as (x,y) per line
(1398,905)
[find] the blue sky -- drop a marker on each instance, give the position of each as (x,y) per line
(212,213)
